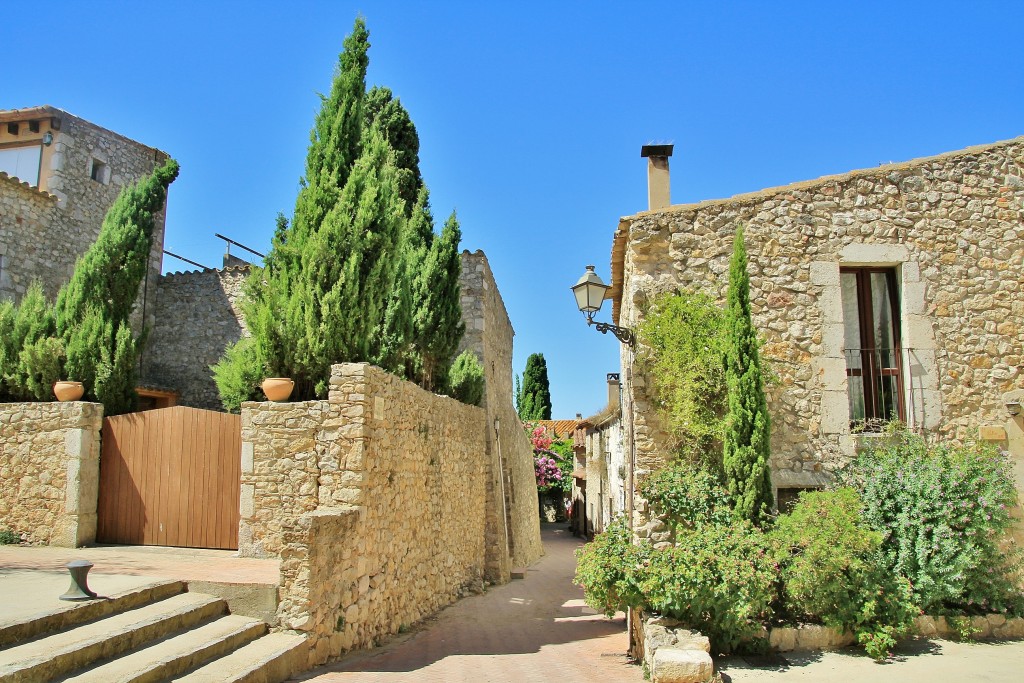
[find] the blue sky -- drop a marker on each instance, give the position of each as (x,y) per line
(531,114)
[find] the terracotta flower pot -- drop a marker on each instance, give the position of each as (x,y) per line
(68,391)
(278,388)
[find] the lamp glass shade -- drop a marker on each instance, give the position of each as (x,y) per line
(590,291)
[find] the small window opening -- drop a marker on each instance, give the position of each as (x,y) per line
(33,126)
(99,172)
(787,498)
(12,128)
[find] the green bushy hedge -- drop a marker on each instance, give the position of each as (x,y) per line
(943,510)
(832,570)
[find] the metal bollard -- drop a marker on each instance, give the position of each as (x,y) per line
(79,589)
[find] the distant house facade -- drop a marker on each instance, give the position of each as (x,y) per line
(601,475)
(892,293)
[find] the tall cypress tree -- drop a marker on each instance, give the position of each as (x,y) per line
(280,314)
(438,322)
(92,309)
(746,444)
(340,282)
(535,403)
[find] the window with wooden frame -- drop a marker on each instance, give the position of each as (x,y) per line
(874,365)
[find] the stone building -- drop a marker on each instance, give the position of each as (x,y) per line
(890,292)
(600,481)
(58,176)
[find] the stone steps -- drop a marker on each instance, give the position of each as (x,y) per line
(269,659)
(172,656)
(70,614)
(59,654)
(154,633)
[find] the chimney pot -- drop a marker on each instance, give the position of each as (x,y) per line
(613,389)
(658,196)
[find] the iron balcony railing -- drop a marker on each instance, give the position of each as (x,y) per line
(883,387)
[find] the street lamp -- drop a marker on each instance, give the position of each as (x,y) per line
(590,293)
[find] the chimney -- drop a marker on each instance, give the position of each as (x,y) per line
(657,175)
(613,389)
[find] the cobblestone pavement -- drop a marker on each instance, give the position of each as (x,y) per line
(535,629)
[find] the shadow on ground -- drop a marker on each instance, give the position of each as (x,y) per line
(520,618)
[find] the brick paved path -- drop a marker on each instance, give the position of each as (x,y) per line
(536,629)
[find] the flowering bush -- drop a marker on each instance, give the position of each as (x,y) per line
(538,436)
(944,511)
(546,468)
(717,577)
(609,568)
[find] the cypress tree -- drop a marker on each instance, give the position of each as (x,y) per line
(438,322)
(93,308)
(341,281)
(746,443)
(383,110)
(536,392)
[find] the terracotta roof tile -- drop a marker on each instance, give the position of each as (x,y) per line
(559,429)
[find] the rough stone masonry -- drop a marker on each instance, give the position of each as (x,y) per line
(951,229)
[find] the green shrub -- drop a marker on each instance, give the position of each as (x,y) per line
(944,511)
(719,580)
(831,569)
(238,373)
(686,495)
(608,569)
(8,537)
(466,378)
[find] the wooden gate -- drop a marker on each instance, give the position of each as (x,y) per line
(170,477)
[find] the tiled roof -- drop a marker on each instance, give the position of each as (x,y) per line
(558,428)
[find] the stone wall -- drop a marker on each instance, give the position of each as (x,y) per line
(372,499)
(40,242)
(951,226)
(196,316)
(513,492)
(26,248)
(49,466)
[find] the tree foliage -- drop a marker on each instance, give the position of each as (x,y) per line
(466,379)
(746,446)
(533,401)
(437,320)
(357,275)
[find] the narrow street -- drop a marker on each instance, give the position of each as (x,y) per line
(535,629)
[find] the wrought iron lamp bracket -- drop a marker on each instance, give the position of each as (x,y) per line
(623,334)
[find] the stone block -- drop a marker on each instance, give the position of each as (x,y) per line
(830,373)
(992,433)
(247,457)
(782,639)
(835,412)
(672,665)
(873,254)
(825,273)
